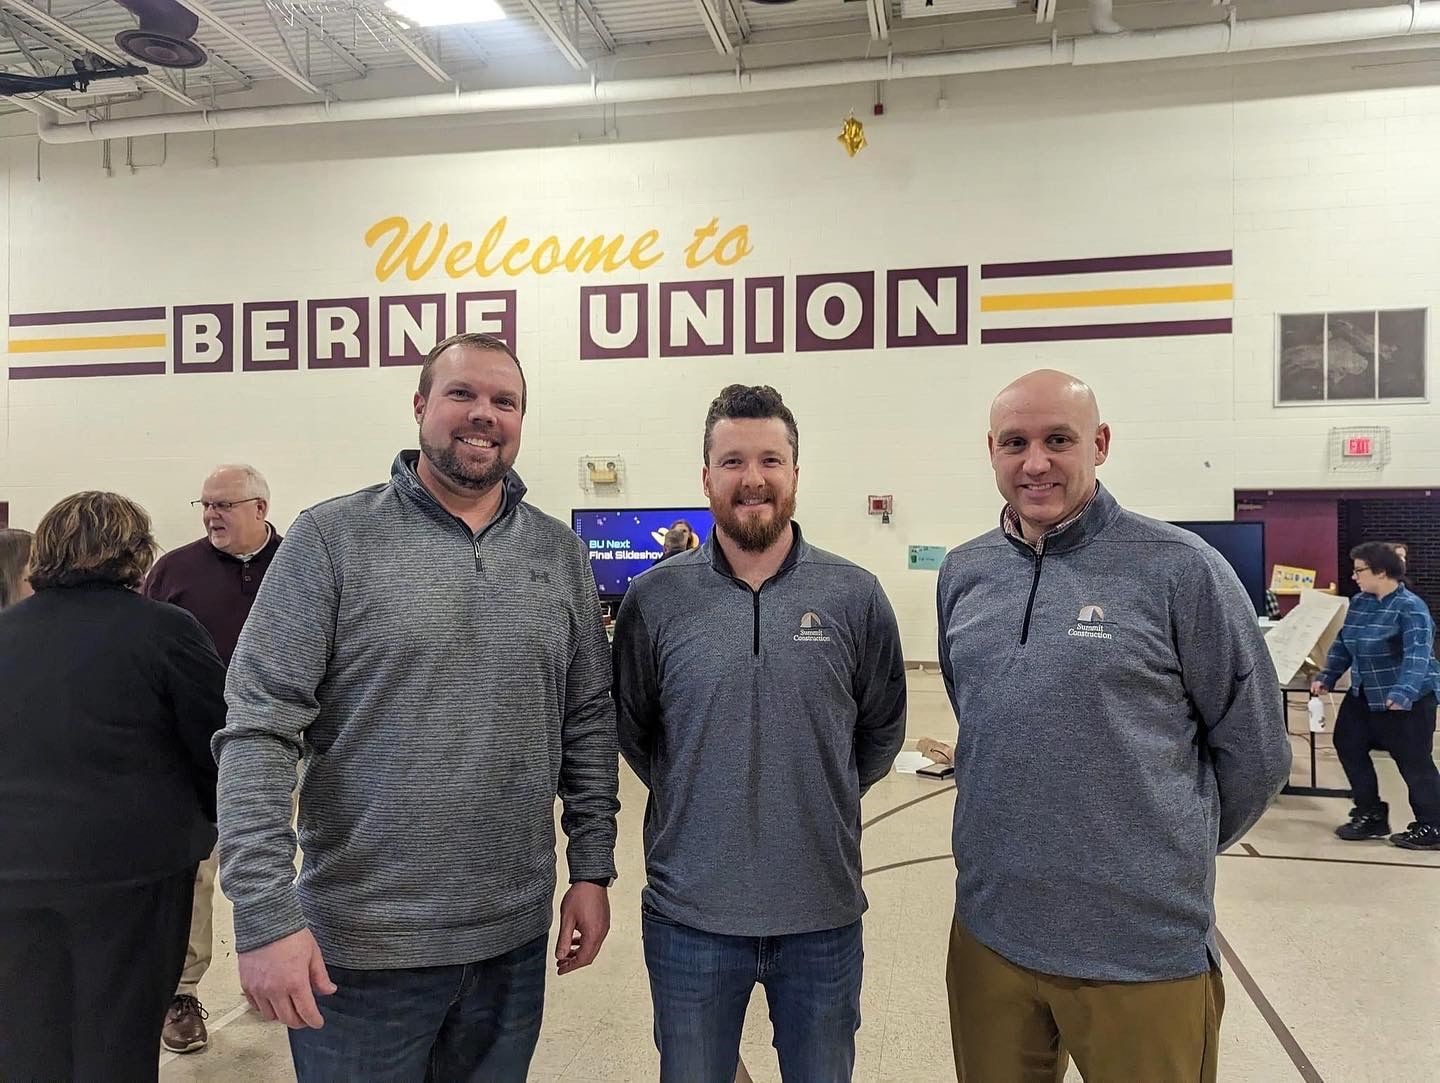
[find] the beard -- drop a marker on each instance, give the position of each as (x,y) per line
(445,459)
(754,534)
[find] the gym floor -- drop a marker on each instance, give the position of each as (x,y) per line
(1332,951)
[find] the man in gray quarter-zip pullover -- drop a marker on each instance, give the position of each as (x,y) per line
(1120,721)
(433,648)
(760,689)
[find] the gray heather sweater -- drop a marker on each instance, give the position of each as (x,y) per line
(757,719)
(1120,721)
(443,688)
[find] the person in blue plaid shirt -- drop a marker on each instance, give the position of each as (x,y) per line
(1388,645)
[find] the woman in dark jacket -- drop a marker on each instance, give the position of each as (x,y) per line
(107,798)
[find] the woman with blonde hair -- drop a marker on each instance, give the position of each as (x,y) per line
(14,566)
(108,701)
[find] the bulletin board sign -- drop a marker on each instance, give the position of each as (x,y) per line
(1286,579)
(927,557)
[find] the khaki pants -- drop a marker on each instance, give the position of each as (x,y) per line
(202,933)
(1012,1025)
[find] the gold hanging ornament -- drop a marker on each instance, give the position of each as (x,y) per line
(852,136)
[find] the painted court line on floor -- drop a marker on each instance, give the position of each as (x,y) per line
(907,804)
(903,864)
(1282,1033)
(1252,852)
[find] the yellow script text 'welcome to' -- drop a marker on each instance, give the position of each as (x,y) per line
(417,252)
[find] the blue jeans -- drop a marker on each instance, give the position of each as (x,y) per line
(478,1022)
(701,984)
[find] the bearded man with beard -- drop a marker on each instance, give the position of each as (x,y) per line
(415,644)
(760,690)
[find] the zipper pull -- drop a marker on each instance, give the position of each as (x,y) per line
(478,566)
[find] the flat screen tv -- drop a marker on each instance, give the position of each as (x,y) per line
(623,542)
(1243,547)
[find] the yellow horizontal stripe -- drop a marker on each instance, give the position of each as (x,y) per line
(1144,295)
(88,342)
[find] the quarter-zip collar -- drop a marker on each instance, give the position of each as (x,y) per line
(406,480)
(1077,531)
(799,549)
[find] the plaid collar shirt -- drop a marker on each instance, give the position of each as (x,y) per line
(1388,644)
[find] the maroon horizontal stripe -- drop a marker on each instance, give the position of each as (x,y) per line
(1082,332)
(60,372)
(1104,264)
(93,315)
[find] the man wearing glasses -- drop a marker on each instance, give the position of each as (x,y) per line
(215,579)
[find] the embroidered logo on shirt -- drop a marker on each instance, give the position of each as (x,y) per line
(1090,623)
(811,630)
(537,576)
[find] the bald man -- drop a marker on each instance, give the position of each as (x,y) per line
(215,580)
(1120,723)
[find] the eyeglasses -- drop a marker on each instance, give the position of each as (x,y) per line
(1360,571)
(222,506)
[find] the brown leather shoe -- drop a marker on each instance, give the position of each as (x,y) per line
(185,1026)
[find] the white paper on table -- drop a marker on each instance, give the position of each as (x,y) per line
(907,763)
(1306,627)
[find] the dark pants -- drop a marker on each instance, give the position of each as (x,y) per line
(477,1022)
(701,984)
(84,984)
(1409,737)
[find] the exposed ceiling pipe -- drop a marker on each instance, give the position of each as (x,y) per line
(1102,17)
(1289,31)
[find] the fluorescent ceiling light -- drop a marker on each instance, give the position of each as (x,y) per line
(446,12)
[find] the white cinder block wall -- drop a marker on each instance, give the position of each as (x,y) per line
(1326,200)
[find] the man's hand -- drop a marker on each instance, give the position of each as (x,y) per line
(281,979)
(1391,705)
(1317,687)
(584,921)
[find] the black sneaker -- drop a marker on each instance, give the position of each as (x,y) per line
(1365,824)
(1418,837)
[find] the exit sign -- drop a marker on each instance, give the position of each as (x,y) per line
(1359,447)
